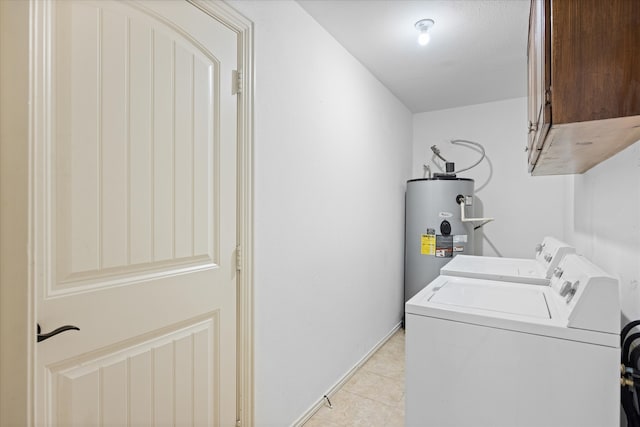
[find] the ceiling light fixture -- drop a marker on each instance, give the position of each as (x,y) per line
(423,27)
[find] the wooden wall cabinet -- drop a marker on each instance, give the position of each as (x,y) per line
(584,82)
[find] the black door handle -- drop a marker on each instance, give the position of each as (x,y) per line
(42,337)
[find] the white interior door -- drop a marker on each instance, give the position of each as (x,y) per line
(134,214)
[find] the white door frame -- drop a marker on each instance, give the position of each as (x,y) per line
(244,28)
(17,292)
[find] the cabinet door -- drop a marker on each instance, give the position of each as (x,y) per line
(595,60)
(531,78)
(538,77)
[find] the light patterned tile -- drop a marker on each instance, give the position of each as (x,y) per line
(387,364)
(374,396)
(396,418)
(400,404)
(317,421)
(352,410)
(397,339)
(325,411)
(395,344)
(377,387)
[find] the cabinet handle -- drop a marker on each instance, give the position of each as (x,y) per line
(533,127)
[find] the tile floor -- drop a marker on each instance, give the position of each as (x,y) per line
(374,396)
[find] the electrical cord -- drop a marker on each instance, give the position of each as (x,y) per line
(630,379)
(626,329)
(624,354)
(626,399)
(628,396)
(633,357)
(633,375)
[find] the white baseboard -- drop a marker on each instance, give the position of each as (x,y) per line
(342,381)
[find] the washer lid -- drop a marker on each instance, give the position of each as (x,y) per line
(492,297)
(518,307)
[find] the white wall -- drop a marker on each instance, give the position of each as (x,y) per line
(603,221)
(525,208)
(332,155)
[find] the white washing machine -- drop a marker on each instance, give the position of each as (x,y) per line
(484,353)
(537,271)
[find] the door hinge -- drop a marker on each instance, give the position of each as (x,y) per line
(547,96)
(238,258)
(238,423)
(236,77)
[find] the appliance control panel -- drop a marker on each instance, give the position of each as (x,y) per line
(586,295)
(549,253)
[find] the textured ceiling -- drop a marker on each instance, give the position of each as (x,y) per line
(477,51)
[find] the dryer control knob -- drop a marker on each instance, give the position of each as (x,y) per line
(565,288)
(557,272)
(572,292)
(539,247)
(548,257)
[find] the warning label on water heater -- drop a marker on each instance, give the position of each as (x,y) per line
(444,246)
(427,244)
(460,238)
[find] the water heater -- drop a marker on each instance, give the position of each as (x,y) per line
(434,227)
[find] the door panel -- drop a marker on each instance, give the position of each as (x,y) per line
(135,214)
(133,156)
(155,382)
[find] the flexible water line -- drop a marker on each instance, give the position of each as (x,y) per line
(464,141)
